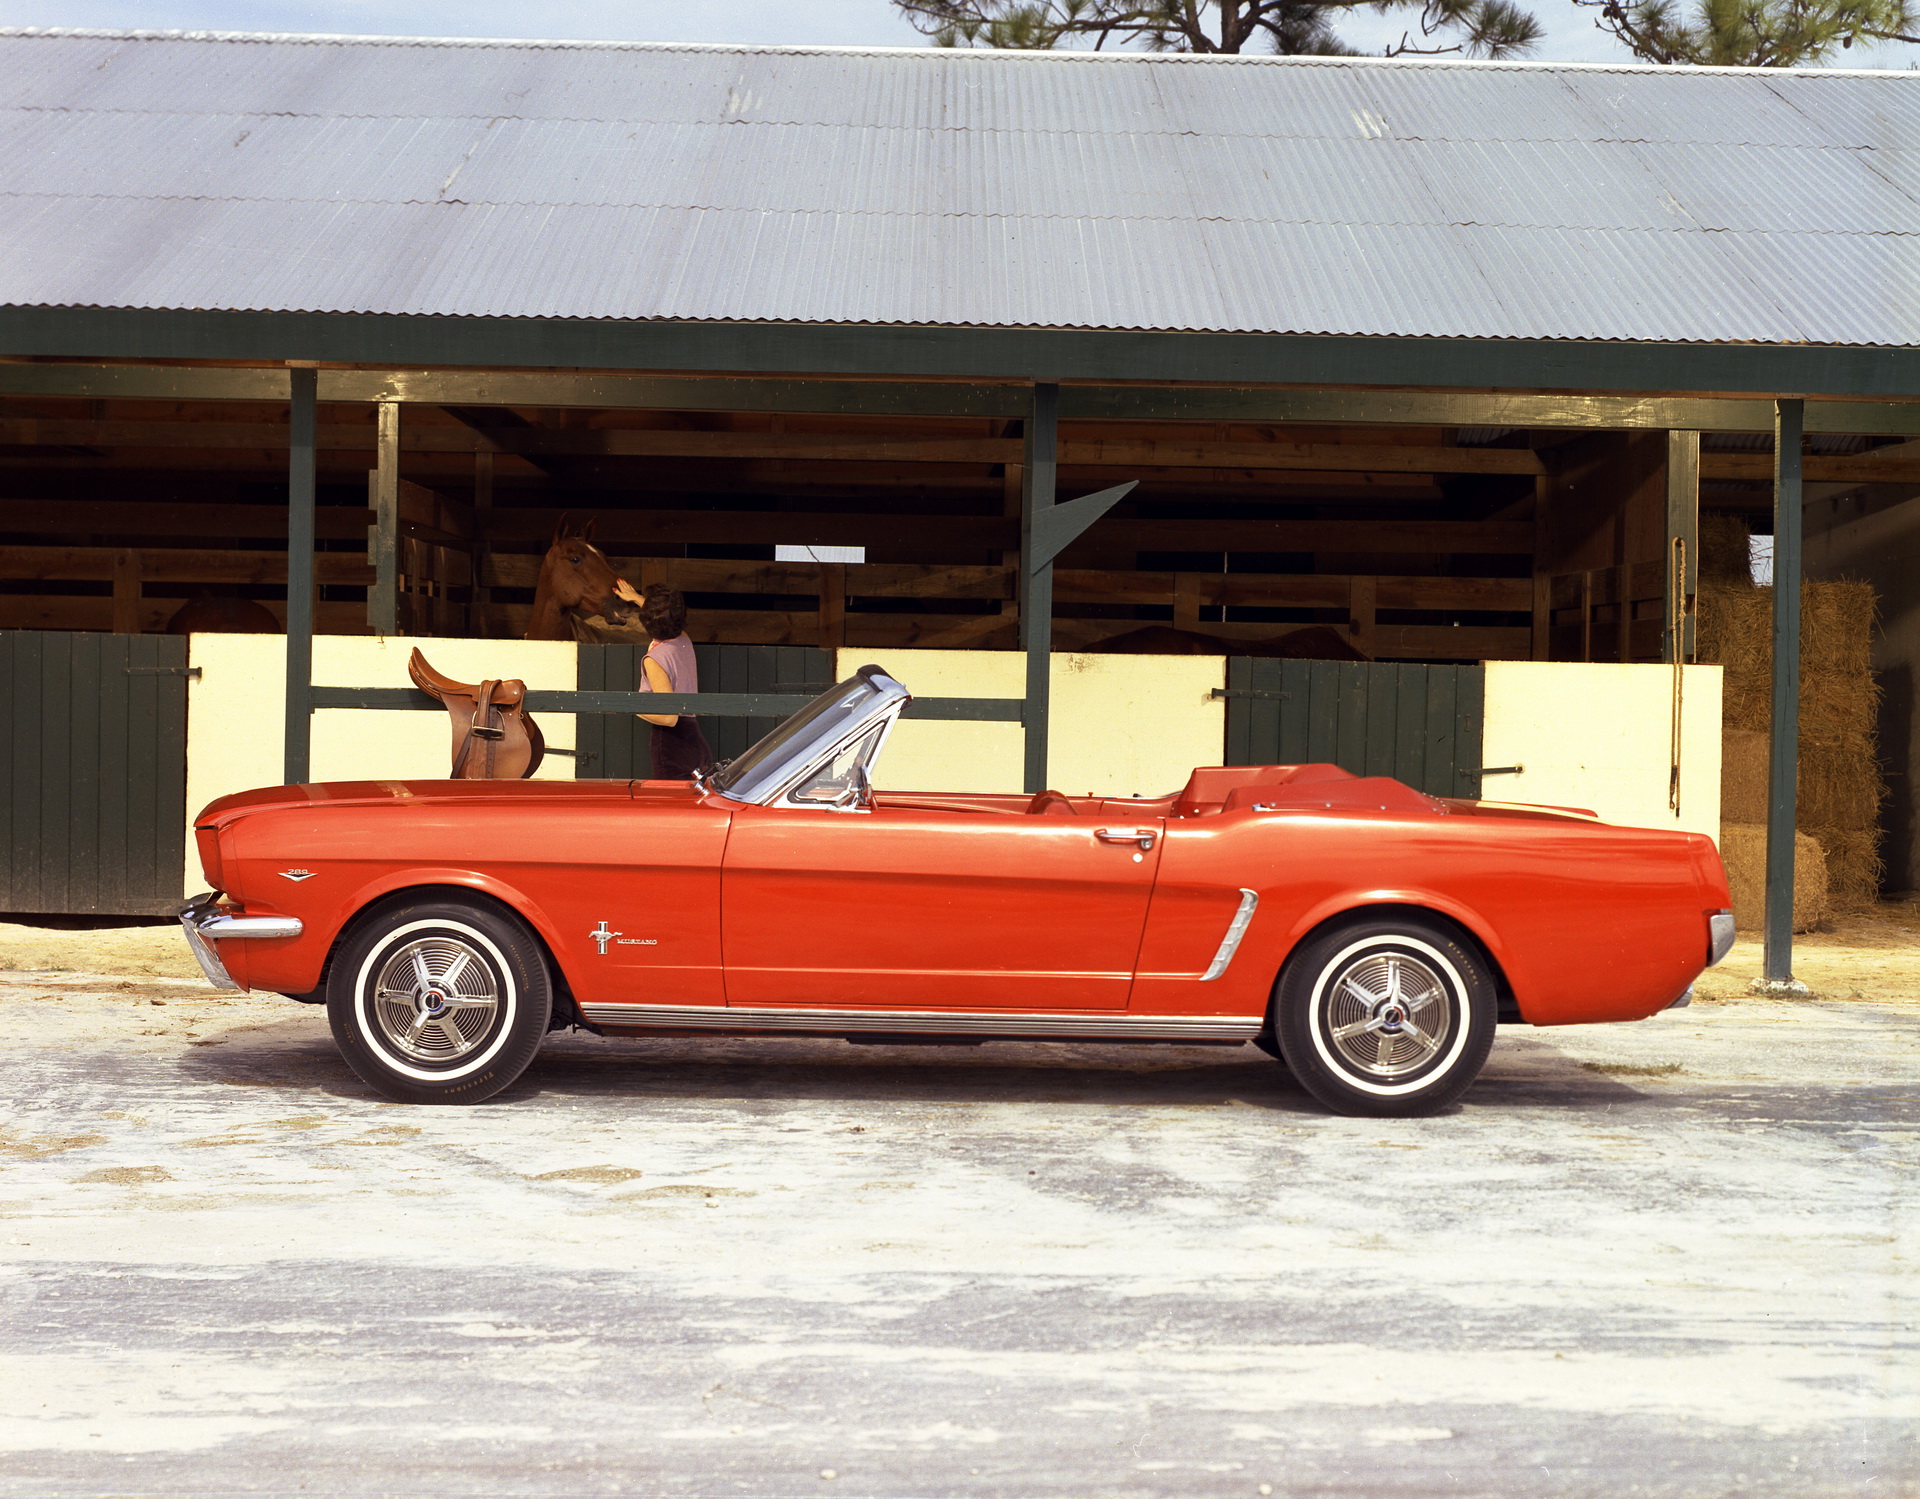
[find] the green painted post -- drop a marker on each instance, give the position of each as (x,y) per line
(300,501)
(1683,545)
(1783,765)
(1039,464)
(383,600)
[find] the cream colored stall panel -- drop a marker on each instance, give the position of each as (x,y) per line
(352,744)
(936,755)
(235,711)
(1120,724)
(1600,736)
(1134,725)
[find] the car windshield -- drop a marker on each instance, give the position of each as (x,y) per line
(816,730)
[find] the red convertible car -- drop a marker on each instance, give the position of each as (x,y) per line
(1366,934)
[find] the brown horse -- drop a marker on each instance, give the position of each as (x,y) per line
(208,613)
(576,583)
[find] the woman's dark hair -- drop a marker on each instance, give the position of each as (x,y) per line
(663,611)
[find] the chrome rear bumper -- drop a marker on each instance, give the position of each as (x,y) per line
(204,922)
(1719,936)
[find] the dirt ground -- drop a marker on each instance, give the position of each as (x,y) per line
(1669,1259)
(1874,956)
(157,951)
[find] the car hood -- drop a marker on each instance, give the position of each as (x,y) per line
(227,809)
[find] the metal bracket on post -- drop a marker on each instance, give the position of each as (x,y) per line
(1046,530)
(1059,527)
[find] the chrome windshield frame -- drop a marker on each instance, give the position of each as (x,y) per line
(768,772)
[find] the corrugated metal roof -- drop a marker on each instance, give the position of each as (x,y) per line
(1285,195)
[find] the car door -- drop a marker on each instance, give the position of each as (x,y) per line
(906,908)
(633,894)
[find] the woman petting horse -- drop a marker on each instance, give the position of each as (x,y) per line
(580,597)
(679,748)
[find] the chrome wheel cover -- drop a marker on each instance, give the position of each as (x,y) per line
(1389,1014)
(435,999)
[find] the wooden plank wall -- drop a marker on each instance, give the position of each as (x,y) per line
(1376,526)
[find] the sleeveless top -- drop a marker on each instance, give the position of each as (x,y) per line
(681,750)
(677,660)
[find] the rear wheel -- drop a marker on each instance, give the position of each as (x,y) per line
(1386,1016)
(439,1000)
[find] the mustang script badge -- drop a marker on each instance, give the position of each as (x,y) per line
(296,875)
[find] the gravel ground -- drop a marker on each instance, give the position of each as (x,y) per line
(1672,1258)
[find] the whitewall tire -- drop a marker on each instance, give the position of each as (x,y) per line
(1386,1016)
(439,1000)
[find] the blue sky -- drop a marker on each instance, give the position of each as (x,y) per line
(1571,36)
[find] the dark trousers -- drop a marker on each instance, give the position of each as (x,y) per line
(679,751)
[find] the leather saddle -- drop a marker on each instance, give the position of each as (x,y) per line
(494,737)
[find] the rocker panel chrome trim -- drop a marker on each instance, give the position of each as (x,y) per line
(1230,944)
(1117,1027)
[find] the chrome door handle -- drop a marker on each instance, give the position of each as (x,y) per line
(1142,836)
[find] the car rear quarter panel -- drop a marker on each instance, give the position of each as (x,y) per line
(1588,922)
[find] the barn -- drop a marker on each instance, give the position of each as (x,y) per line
(1422,373)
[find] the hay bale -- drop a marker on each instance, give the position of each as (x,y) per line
(1743,849)
(1839,709)
(1854,868)
(1840,783)
(1734,627)
(1836,628)
(1743,775)
(1838,787)
(1726,550)
(1732,620)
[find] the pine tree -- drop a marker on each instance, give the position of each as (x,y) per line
(1753,33)
(1477,28)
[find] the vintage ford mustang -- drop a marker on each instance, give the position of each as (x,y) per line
(1369,936)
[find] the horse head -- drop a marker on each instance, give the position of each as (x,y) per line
(576,579)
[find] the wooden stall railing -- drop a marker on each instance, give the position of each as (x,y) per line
(455,558)
(831,602)
(128,610)
(1609,613)
(840,590)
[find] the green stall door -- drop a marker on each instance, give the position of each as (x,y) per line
(1419,724)
(93,772)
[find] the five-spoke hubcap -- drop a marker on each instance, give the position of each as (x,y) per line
(1389,1014)
(435,999)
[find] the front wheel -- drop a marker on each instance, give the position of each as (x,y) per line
(1387,1016)
(438,1000)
